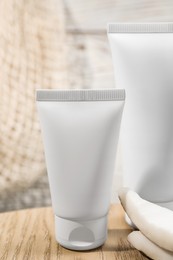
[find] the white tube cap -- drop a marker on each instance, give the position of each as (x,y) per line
(81,235)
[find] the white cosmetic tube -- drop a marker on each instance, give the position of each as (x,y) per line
(80,131)
(143,65)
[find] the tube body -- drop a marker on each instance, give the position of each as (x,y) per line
(80,131)
(143,65)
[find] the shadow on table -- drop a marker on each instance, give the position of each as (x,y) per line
(115,247)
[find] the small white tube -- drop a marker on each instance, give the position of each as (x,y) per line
(143,64)
(80,133)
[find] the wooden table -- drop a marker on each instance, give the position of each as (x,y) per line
(29,234)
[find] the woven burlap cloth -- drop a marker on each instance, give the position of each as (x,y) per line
(32,55)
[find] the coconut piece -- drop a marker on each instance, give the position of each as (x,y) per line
(143,244)
(154,221)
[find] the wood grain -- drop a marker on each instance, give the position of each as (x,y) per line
(29,234)
(93,15)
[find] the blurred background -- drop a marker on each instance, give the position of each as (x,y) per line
(52,44)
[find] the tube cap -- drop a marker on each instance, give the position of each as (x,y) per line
(81,235)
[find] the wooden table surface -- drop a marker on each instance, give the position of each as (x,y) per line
(29,234)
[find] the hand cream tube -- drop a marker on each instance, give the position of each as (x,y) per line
(80,133)
(143,64)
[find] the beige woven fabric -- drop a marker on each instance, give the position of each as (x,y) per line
(32,55)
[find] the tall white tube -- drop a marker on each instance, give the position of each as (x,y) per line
(80,131)
(143,64)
